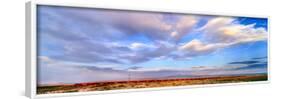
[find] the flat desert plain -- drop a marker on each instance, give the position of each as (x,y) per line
(148,83)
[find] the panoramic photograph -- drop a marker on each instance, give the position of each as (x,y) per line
(91,49)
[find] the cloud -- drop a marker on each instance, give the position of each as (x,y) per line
(45,59)
(218,22)
(255,63)
(184,25)
(244,62)
(93,52)
(227,30)
(127,22)
(196,47)
(148,53)
(141,46)
(92,40)
(254,66)
(51,71)
(222,32)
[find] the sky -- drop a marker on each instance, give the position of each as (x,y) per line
(94,45)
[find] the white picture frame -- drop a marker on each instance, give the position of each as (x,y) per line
(31,47)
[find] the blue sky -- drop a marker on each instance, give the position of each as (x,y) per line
(83,45)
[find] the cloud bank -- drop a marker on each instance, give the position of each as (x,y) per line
(69,73)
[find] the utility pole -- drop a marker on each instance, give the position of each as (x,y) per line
(129,71)
(129,78)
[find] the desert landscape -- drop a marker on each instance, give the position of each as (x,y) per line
(115,85)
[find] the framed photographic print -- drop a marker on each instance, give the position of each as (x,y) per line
(75,49)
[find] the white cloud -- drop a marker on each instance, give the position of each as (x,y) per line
(225,29)
(217,23)
(223,32)
(174,34)
(196,46)
(183,26)
(45,59)
(140,46)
